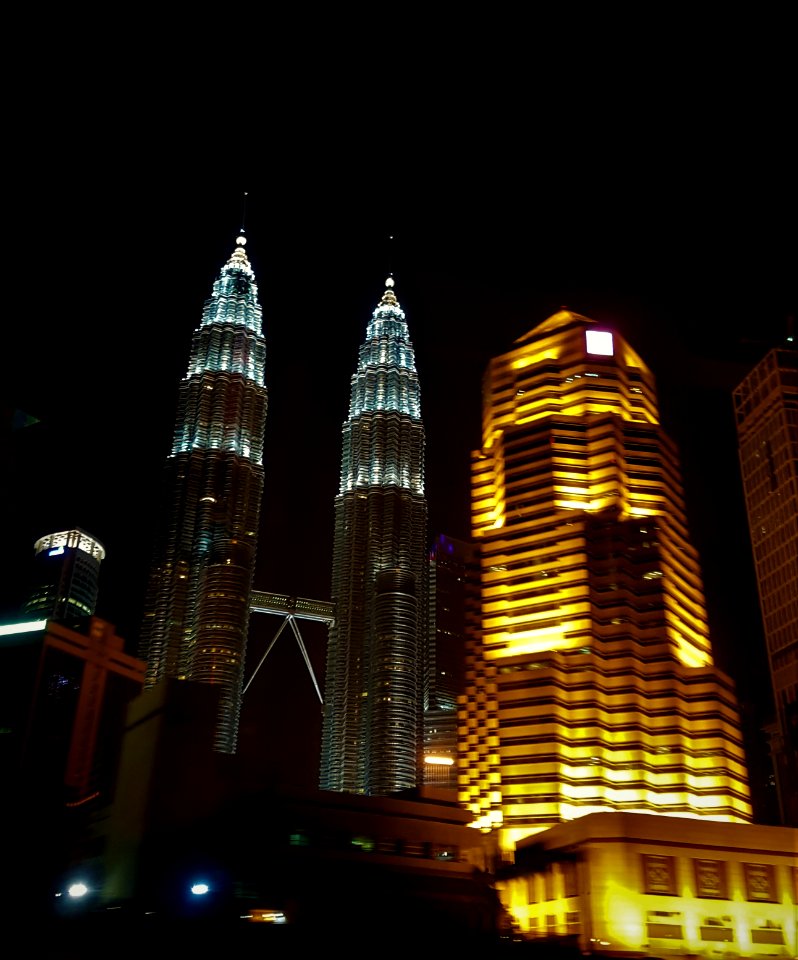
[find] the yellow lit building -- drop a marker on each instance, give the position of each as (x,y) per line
(634,885)
(591,686)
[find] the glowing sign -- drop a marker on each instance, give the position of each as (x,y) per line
(55,552)
(599,342)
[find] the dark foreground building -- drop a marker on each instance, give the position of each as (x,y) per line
(193,849)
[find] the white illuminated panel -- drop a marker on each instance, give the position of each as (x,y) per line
(30,626)
(599,342)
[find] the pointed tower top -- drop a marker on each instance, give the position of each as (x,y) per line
(238,258)
(389,297)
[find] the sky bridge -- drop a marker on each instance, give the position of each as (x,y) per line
(291,609)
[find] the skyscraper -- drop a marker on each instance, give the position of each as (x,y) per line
(453,614)
(197,605)
(66,576)
(591,685)
(766,409)
(376,657)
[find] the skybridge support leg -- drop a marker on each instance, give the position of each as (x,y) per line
(290,619)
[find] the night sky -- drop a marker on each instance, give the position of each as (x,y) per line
(670,217)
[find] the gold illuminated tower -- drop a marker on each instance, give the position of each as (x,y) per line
(590,686)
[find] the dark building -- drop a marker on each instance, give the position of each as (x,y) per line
(454,614)
(197,606)
(64,694)
(66,573)
(372,736)
(63,698)
(284,866)
(766,410)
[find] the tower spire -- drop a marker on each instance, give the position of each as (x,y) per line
(244,212)
(389,297)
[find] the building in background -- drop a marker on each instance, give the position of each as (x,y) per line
(453,611)
(197,605)
(591,684)
(372,737)
(66,574)
(766,411)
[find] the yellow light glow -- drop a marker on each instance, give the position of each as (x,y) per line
(618,915)
(529,359)
(573,504)
(441,761)
(690,656)
(532,641)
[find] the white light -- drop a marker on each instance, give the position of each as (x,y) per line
(599,342)
(200,889)
(78,889)
(28,627)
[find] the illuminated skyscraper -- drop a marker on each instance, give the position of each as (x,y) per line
(198,599)
(766,408)
(591,685)
(376,657)
(66,576)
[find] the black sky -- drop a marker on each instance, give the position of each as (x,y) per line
(653,191)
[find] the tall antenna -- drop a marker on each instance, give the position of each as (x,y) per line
(391,248)
(243,211)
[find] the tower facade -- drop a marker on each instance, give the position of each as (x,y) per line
(590,685)
(66,576)
(376,657)
(766,410)
(197,605)
(453,615)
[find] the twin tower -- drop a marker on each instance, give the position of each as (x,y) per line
(589,681)
(199,593)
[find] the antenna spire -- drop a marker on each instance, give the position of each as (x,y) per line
(244,211)
(390,254)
